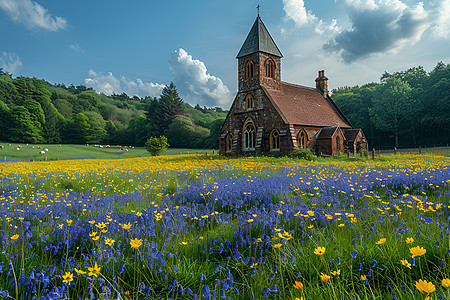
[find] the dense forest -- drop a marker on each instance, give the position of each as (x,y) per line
(35,111)
(406,109)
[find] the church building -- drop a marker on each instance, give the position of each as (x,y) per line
(269,116)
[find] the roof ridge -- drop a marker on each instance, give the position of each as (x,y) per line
(299,85)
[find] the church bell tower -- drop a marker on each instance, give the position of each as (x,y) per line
(259,60)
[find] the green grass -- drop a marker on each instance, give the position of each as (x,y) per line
(71,151)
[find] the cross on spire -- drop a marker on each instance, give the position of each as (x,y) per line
(258,9)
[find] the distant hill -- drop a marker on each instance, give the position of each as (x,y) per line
(35,111)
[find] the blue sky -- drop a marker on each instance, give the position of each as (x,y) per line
(139,46)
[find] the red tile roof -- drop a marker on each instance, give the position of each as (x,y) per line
(301,105)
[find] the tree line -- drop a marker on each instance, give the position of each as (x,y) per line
(35,111)
(410,108)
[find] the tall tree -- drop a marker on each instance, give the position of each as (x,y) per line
(5,115)
(392,106)
(162,111)
(81,128)
(97,132)
(22,126)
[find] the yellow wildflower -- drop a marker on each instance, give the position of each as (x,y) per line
(126,226)
(336,273)
(417,251)
(425,287)
(319,250)
(381,241)
(79,272)
(298,285)
(94,271)
(109,242)
(67,277)
(136,243)
(406,263)
(324,277)
(445,282)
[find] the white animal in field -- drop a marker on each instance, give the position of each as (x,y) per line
(18,149)
(42,152)
(46,149)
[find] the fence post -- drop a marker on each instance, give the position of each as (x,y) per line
(420,150)
(373,153)
(395,150)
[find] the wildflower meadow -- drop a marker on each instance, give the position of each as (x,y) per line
(207,227)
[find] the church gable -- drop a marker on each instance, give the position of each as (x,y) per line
(265,120)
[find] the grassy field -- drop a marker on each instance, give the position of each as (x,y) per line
(204,227)
(67,151)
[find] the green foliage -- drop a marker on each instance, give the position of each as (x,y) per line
(392,106)
(22,127)
(97,132)
(408,108)
(302,153)
(212,141)
(182,133)
(155,146)
(77,114)
(163,110)
(5,116)
(81,128)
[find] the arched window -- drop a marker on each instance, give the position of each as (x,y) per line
(274,140)
(302,139)
(229,142)
(249,69)
(249,102)
(270,68)
(249,137)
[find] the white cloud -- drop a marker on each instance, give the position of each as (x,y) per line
(375,26)
(195,85)
(109,84)
(296,11)
(442,28)
(378,26)
(32,15)
(10,62)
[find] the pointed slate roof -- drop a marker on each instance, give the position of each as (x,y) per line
(259,39)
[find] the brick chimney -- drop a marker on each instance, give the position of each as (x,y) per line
(322,83)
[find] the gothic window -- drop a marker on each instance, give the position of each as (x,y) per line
(302,139)
(249,69)
(270,68)
(274,140)
(249,137)
(249,102)
(229,142)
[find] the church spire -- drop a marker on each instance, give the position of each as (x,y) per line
(259,40)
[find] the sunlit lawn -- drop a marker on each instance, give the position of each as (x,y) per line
(42,152)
